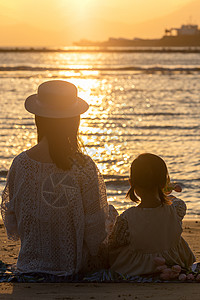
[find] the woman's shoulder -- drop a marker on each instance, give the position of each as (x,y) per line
(87,159)
(23,166)
(17,159)
(85,169)
(85,163)
(17,170)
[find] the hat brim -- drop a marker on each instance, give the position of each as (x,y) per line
(31,105)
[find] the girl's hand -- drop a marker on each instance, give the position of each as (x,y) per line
(170,186)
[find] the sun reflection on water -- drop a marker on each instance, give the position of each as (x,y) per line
(130,113)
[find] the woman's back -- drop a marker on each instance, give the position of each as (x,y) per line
(58,215)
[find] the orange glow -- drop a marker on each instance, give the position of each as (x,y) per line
(61,22)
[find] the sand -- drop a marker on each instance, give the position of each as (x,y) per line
(123,291)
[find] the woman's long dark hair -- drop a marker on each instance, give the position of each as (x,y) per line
(62,137)
(148,171)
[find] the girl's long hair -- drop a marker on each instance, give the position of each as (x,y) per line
(148,171)
(63,139)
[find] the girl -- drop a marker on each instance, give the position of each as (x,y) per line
(151,229)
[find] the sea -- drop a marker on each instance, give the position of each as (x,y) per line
(140,101)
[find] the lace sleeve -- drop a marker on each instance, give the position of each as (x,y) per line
(96,209)
(180,207)
(8,207)
(120,234)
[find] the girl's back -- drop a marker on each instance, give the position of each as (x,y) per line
(141,234)
(153,229)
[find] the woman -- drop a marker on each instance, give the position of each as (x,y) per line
(55,198)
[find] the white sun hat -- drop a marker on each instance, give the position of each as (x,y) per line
(56,99)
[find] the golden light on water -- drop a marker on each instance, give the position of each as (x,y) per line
(127,115)
(89,73)
(96,130)
(102,137)
(66,74)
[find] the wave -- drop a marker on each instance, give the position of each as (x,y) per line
(151,69)
(122,177)
(153,114)
(116,117)
(152,127)
(3,173)
(167,127)
(121,182)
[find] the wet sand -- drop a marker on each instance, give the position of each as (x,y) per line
(182,291)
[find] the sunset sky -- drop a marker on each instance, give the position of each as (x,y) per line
(60,22)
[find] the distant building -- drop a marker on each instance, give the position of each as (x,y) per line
(183,30)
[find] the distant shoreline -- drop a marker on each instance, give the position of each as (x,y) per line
(100,50)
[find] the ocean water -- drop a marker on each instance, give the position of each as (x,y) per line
(139,102)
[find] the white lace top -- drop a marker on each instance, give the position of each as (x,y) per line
(59,216)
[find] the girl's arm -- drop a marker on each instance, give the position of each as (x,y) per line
(120,233)
(179,204)
(180,207)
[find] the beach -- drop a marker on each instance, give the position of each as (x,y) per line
(183,291)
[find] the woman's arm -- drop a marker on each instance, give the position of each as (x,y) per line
(8,206)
